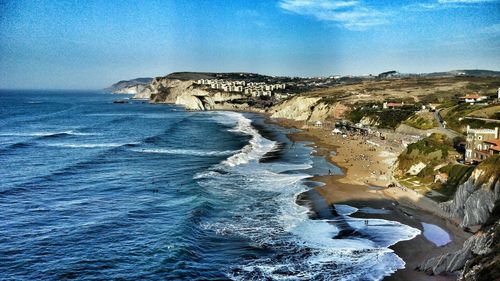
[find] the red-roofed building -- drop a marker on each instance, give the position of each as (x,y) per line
(472,98)
(392,105)
(493,146)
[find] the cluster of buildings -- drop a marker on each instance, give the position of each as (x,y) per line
(254,89)
(481,144)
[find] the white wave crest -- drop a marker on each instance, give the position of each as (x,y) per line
(255,149)
(187,152)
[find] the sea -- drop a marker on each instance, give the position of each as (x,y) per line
(94,190)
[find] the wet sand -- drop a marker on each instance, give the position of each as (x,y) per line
(367,167)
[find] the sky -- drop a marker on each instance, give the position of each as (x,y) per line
(56,44)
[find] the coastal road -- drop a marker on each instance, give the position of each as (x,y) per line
(442,126)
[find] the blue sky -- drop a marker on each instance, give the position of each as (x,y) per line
(92,44)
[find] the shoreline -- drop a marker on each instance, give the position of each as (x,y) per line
(363,185)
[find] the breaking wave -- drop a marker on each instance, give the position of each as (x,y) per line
(191,152)
(255,149)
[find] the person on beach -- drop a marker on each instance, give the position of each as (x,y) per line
(366,222)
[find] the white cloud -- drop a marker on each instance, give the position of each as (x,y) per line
(353,15)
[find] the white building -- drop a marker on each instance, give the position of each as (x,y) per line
(476,149)
(473,98)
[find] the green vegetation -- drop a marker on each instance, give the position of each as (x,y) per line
(490,167)
(432,143)
(436,149)
(386,118)
(453,115)
(423,121)
(457,174)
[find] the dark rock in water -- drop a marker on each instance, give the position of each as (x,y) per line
(120,101)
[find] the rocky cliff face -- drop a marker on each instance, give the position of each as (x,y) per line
(476,202)
(195,97)
(133,90)
(480,244)
(191,96)
(303,108)
(132,86)
(485,263)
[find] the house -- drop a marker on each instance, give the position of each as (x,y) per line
(473,98)
(318,124)
(392,105)
(493,146)
(481,144)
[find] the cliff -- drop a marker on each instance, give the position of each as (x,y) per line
(303,108)
(192,96)
(132,86)
(476,202)
(187,93)
(479,258)
(475,199)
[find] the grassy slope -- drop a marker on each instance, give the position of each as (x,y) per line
(453,114)
(422,120)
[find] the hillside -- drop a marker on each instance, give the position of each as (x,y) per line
(124,85)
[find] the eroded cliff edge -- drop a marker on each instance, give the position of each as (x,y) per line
(476,204)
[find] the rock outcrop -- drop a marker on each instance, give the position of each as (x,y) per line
(303,108)
(474,199)
(192,96)
(476,202)
(476,245)
(485,263)
(132,86)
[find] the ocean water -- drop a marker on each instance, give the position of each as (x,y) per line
(91,190)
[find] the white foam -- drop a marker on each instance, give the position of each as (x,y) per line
(436,234)
(186,152)
(255,149)
(345,209)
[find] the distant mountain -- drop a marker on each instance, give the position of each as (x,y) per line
(392,73)
(128,83)
(466,72)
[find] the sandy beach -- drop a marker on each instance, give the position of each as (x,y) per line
(367,164)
